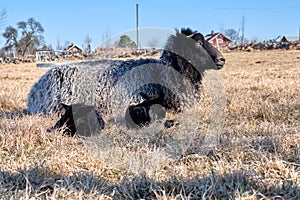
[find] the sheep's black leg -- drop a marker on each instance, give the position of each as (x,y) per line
(138,115)
(67,120)
(77,119)
(170,123)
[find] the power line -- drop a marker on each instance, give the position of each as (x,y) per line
(220,8)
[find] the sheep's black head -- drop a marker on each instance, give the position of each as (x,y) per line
(216,56)
(188,52)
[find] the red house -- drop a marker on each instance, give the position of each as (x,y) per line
(218,40)
(72,49)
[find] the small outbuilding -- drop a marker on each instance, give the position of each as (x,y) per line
(218,40)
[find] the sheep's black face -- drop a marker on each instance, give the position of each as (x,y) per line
(216,55)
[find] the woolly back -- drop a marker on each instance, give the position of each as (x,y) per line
(66,83)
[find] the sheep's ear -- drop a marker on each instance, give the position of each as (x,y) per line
(199,38)
(162,95)
(188,32)
(65,106)
(144,95)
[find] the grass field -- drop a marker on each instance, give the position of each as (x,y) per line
(257,157)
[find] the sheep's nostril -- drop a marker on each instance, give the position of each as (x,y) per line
(220,61)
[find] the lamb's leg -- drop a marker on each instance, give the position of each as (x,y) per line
(138,115)
(170,123)
(66,120)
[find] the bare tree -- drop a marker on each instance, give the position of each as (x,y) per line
(254,39)
(232,34)
(2,18)
(47,47)
(58,45)
(31,35)
(222,29)
(87,42)
(30,38)
(153,43)
(67,44)
(106,38)
(11,36)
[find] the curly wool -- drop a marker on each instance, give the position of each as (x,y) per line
(103,84)
(67,83)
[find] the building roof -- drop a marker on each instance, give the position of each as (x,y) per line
(290,38)
(71,46)
(212,35)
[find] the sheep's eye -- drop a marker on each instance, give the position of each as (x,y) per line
(199,43)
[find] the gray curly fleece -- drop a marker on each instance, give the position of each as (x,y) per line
(104,84)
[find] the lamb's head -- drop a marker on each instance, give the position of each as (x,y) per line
(192,47)
(211,50)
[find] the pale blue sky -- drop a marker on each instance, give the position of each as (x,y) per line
(72,21)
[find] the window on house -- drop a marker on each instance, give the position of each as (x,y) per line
(220,40)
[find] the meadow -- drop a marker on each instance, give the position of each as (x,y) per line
(257,155)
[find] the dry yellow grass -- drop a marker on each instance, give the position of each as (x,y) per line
(258,156)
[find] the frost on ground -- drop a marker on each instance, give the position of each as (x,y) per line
(257,156)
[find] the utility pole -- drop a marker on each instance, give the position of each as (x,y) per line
(299,34)
(243,30)
(137,26)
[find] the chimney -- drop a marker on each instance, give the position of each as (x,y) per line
(212,32)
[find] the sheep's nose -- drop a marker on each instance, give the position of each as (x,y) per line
(220,62)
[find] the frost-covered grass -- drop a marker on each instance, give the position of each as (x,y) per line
(257,156)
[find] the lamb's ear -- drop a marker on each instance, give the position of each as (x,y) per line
(65,106)
(188,32)
(162,95)
(144,95)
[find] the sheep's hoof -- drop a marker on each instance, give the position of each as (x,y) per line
(170,123)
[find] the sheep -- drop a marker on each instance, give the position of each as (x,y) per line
(109,85)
